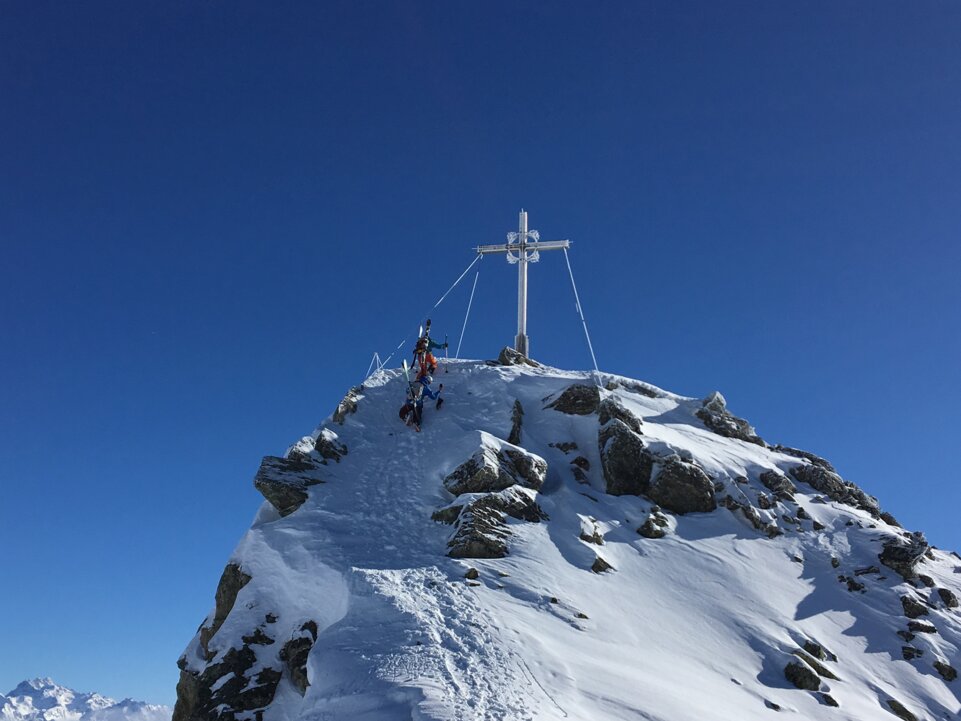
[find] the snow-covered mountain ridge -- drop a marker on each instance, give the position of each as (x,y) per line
(41,699)
(558,544)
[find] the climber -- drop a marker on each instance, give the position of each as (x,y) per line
(425,381)
(426,362)
(413,409)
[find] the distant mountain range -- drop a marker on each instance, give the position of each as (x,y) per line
(44,700)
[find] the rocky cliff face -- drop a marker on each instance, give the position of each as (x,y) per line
(558,545)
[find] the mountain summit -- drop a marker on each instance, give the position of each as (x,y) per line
(565,545)
(42,699)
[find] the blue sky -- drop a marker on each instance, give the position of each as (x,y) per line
(212,214)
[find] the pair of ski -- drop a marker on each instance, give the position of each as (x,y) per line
(424,332)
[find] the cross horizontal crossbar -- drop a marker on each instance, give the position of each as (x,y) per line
(534,246)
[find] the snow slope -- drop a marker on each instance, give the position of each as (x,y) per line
(699,624)
(41,699)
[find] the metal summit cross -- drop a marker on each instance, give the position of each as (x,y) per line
(523,247)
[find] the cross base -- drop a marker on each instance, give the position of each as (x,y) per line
(522,345)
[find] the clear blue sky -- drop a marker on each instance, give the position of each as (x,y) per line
(213,213)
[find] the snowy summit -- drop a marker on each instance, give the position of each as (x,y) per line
(565,545)
(42,699)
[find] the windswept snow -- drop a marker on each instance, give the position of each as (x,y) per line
(42,699)
(696,625)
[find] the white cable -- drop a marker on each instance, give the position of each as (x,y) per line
(580,311)
(464,327)
(459,278)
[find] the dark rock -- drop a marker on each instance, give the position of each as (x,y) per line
(779,484)
(816,460)
(835,487)
(496,466)
(820,668)
(889,519)
(472,574)
(765,502)
(903,555)
(906,635)
(517,420)
(650,529)
(582,463)
(854,585)
(257,638)
(947,671)
(748,511)
(948,597)
(600,565)
(270,618)
(579,475)
(818,651)
(284,482)
(481,522)
(926,580)
(865,571)
(198,701)
(626,464)
(581,615)
(818,526)
(717,418)
(231,581)
(564,446)
(611,408)
(802,676)
(921,627)
(829,700)
(835,562)
(909,653)
(682,487)
(578,400)
(348,405)
(912,607)
(898,710)
(642,388)
(511,357)
(803,515)
(329,448)
(771,705)
(595,537)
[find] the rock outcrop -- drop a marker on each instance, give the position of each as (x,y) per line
(284,481)
(577,400)
(715,415)
(904,554)
(682,487)
(497,465)
(625,462)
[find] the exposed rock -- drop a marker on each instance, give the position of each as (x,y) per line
(818,651)
(564,446)
(866,571)
(903,555)
(472,574)
(715,415)
(818,526)
(835,487)
(909,653)
(765,502)
(889,519)
(913,608)
(612,408)
(595,537)
(802,514)
(511,357)
(779,484)
(517,419)
(682,487)
(204,696)
(829,700)
(948,598)
(284,482)
(906,635)
(802,676)
(581,463)
(231,581)
(642,388)
(600,565)
(481,521)
(854,585)
(257,638)
(294,655)
(819,668)
(835,562)
(329,448)
(651,529)
(497,465)
(921,627)
(748,511)
(627,466)
(348,405)
(577,400)
(898,710)
(926,580)
(947,671)
(816,460)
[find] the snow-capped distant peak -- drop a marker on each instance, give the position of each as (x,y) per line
(42,699)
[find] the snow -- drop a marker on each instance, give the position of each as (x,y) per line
(42,699)
(696,625)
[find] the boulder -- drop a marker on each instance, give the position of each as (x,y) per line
(947,671)
(715,416)
(511,357)
(913,608)
(682,487)
(231,581)
(577,400)
(948,598)
(284,481)
(329,447)
(898,709)
(625,462)
(497,465)
(779,484)
(517,419)
(651,529)
(610,408)
(802,676)
(294,655)
(481,521)
(348,405)
(902,555)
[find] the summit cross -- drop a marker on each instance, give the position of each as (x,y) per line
(523,247)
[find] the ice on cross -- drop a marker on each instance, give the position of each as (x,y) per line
(523,247)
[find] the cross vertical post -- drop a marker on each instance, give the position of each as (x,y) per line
(519,250)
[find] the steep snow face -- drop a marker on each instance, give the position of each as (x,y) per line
(758,580)
(41,699)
